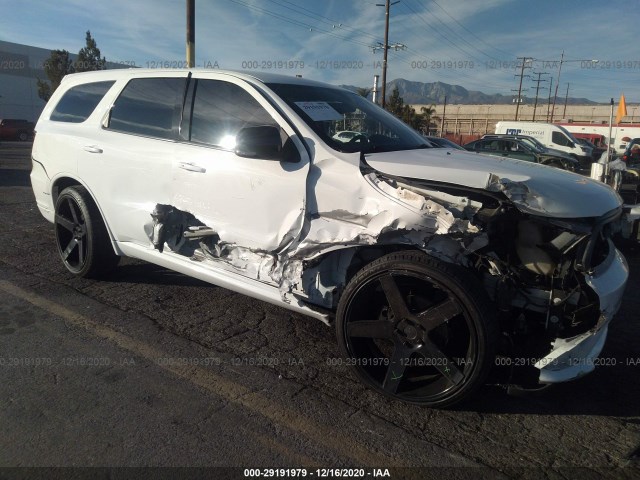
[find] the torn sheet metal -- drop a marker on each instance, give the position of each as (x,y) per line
(535,188)
(440,224)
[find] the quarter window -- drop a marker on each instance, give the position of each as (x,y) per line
(149,106)
(78,102)
(221,110)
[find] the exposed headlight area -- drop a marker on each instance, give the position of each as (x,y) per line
(545,277)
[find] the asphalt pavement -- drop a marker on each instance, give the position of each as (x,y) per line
(149,368)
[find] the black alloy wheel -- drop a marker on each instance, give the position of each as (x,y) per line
(417,329)
(81,237)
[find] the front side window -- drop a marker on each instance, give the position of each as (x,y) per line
(220,110)
(78,102)
(559,139)
(149,106)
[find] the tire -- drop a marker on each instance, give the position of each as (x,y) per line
(417,329)
(23,136)
(81,237)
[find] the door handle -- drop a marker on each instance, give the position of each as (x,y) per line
(192,167)
(92,149)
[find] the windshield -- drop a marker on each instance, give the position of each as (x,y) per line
(348,122)
(567,133)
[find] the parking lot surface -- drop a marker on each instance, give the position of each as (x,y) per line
(152,368)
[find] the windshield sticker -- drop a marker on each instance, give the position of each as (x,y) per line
(319,111)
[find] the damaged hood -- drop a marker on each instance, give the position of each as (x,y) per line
(533,188)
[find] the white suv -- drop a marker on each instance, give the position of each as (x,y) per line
(434,264)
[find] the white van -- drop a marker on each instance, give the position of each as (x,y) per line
(553,136)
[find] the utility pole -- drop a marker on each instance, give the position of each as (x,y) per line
(549,101)
(535,104)
(385,47)
(566,97)
(522,75)
(191,33)
(555,95)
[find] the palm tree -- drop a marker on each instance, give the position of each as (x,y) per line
(426,114)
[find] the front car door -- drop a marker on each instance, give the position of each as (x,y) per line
(251,203)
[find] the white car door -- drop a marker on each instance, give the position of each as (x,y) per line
(129,160)
(250,202)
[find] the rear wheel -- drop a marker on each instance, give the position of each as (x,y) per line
(81,237)
(417,329)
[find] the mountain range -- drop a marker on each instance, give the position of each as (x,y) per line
(420,93)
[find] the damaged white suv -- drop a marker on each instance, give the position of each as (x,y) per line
(432,263)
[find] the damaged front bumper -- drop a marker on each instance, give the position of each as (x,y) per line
(574,357)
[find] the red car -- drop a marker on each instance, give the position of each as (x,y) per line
(16,129)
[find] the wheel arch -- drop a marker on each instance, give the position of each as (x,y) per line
(343,264)
(63,182)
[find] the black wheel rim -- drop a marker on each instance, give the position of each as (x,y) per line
(71,234)
(410,337)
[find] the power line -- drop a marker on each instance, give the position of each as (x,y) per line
(297,22)
(471,33)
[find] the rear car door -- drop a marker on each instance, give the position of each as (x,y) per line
(254,203)
(517,150)
(128,160)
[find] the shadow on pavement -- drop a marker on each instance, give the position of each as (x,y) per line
(13,177)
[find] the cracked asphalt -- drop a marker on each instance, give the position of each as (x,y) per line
(152,368)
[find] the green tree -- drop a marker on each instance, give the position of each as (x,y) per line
(55,67)
(60,64)
(395,104)
(89,56)
(418,121)
(363,91)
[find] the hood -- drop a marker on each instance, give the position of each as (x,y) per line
(557,153)
(533,188)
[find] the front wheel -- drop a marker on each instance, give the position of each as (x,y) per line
(81,237)
(417,329)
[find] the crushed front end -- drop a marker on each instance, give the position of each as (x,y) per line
(557,284)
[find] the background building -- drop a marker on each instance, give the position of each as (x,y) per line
(20,68)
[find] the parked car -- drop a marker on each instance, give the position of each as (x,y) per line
(15,129)
(443,142)
(534,143)
(520,149)
(595,151)
(429,262)
(631,155)
(346,136)
(552,136)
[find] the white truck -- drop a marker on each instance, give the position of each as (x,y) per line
(553,136)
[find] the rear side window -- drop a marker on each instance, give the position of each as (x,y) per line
(221,110)
(149,106)
(78,102)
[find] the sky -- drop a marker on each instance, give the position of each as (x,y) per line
(471,43)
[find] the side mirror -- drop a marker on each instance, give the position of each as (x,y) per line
(259,142)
